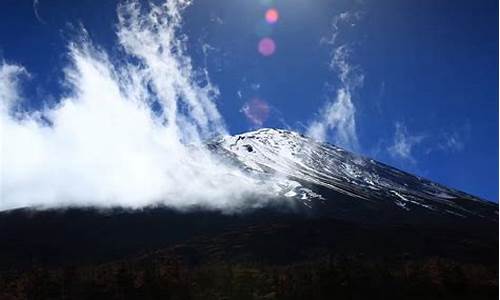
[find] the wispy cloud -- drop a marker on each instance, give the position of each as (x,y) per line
(9,81)
(454,140)
(36,4)
(408,147)
(403,144)
(336,121)
(451,142)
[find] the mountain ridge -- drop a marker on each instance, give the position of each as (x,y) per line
(298,159)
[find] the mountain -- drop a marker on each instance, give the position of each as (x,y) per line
(340,226)
(319,174)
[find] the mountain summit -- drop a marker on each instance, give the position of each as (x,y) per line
(320,175)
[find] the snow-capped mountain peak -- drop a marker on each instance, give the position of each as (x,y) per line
(292,157)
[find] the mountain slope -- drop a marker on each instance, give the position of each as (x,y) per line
(299,163)
(340,226)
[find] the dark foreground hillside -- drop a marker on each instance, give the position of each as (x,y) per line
(267,254)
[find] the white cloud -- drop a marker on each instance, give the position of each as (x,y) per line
(350,76)
(404,143)
(104,146)
(337,119)
(406,146)
(9,89)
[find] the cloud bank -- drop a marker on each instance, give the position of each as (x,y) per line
(103,144)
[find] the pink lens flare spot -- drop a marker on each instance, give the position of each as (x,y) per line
(256,111)
(272,16)
(266,47)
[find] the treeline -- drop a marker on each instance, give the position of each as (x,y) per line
(327,278)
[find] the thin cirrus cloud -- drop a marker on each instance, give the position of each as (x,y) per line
(403,144)
(407,147)
(336,121)
(36,4)
(103,145)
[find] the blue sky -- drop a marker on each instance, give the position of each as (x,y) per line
(427,103)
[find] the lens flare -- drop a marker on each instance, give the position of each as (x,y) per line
(272,16)
(266,47)
(256,111)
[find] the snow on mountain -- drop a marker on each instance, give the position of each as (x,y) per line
(297,162)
